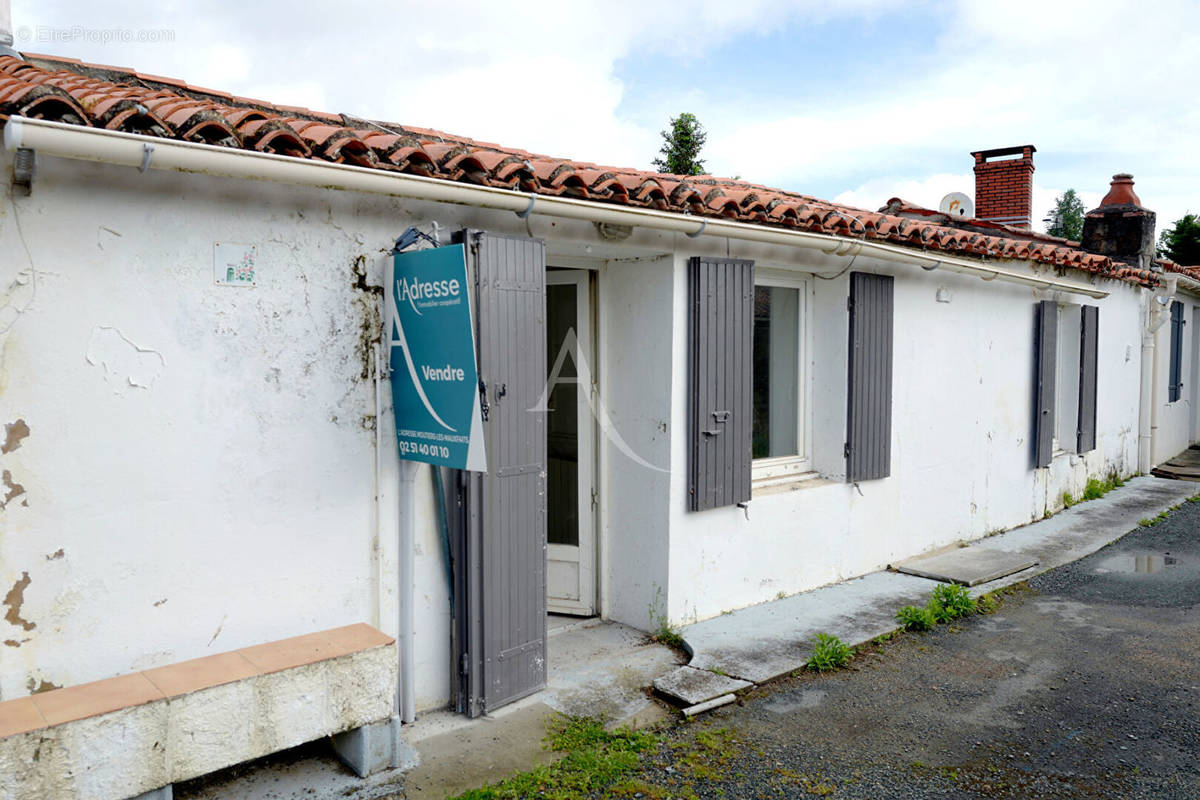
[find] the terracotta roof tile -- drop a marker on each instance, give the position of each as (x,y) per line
(67,90)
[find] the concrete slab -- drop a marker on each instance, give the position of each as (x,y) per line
(772,639)
(969,566)
(691,686)
(1185,466)
(462,757)
(603,671)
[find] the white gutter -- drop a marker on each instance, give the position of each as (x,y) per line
(144,152)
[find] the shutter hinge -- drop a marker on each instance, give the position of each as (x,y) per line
(846,450)
(849,303)
(595,499)
(464,665)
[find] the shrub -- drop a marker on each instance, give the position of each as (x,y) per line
(829,653)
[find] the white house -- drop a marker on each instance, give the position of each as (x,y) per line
(774,392)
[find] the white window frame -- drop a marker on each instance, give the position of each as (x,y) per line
(783,468)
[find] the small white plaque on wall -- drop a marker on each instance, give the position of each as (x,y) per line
(234,264)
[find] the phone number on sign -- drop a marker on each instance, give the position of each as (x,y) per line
(422,449)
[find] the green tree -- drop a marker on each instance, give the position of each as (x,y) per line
(1181,241)
(1066,220)
(680,153)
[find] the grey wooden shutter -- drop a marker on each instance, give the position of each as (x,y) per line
(720,360)
(869,393)
(1045,365)
(1088,340)
(502,650)
(1175,385)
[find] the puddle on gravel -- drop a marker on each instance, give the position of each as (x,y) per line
(1137,563)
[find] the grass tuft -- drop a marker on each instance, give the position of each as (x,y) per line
(950,601)
(916,619)
(595,760)
(829,653)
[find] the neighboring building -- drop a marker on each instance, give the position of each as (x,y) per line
(784,392)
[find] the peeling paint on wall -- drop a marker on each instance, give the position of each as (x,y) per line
(125,363)
(17,299)
(14,432)
(36,687)
(14,599)
(12,490)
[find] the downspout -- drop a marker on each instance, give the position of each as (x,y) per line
(1158,314)
(404,704)
(406,698)
(1149,369)
(377,544)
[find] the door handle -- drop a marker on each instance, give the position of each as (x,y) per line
(714,432)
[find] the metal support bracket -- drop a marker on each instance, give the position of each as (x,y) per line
(24,167)
(147,157)
(528,209)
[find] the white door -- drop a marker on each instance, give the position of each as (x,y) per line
(570,435)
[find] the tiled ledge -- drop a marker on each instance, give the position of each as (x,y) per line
(121,736)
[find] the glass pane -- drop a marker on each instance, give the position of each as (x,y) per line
(776,371)
(562,421)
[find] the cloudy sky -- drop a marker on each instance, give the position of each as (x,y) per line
(855,101)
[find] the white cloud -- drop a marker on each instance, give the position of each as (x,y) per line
(928,193)
(1099,87)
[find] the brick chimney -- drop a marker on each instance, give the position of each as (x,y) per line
(1004,186)
(1120,227)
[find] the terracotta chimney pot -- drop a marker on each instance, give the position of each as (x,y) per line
(1121,192)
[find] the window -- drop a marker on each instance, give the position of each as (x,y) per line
(779,396)
(1175,387)
(1065,355)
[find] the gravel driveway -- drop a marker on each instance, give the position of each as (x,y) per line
(1086,683)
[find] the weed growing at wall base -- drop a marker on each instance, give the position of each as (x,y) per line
(829,653)
(951,601)
(914,618)
(946,603)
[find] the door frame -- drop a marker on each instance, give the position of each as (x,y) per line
(586,485)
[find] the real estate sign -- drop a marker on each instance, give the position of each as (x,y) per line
(431,352)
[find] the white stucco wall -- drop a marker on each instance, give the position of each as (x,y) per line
(199,469)
(636,345)
(961,453)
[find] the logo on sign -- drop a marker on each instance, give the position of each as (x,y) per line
(422,294)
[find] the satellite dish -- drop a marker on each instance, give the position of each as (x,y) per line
(957,204)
